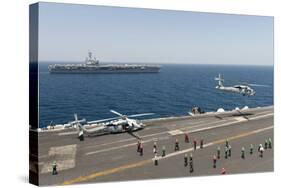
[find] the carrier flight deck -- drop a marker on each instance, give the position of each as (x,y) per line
(114,157)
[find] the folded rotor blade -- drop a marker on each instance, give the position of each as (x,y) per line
(77,121)
(138,115)
(117,113)
(102,120)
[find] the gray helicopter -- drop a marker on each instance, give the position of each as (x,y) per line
(243,89)
(120,124)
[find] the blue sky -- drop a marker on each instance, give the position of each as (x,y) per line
(67,32)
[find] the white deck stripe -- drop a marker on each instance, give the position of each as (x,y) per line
(68,133)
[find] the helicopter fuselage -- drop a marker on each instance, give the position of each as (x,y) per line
(241,89)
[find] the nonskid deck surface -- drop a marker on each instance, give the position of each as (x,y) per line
(114,158)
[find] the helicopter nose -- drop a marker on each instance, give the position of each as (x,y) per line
(253,92)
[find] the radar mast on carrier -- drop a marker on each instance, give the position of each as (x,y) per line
(90,61)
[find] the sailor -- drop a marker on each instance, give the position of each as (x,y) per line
(186,138)
(191,169)
(251,149)
(269,143)
(154,148)
(229,150)
(214,161)
(191,163)
(155,145)
(81,135)
(190,157)
(226,143)
(225,152)
(185,160)
(261,151)
(141,149)
(138,146)
(243,153)
(201,143)
(155,159)
(265,144)
(218,152)
(163,151)
(260,146)
(154,151)
(177,148)
(55,172)
(194,144)
(223,171)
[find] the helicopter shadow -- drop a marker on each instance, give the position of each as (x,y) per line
(240,114)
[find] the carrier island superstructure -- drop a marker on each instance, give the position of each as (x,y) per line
(92,66)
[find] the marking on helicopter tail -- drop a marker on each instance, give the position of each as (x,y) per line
(64,157)
(175,132)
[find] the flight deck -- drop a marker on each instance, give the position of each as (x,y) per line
(114,157)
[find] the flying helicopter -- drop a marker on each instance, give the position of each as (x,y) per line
(120,124)
(243,89)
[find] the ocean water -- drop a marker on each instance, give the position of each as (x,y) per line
(171,92)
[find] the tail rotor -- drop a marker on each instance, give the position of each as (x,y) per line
(79,127)
(220,79)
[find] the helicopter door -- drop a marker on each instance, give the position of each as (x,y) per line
(125,126)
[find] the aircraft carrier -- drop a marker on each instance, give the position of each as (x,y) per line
(114,157)
(92,66)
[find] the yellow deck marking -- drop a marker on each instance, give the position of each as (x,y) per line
(142,163)
(243,135)
(106,172)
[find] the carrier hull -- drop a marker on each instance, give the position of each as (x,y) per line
(92,66)
(97,70)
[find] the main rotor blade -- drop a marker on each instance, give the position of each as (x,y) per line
(117,113)
(77,121)
(258,85)
(255,85)
(138,115)
(102,120)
